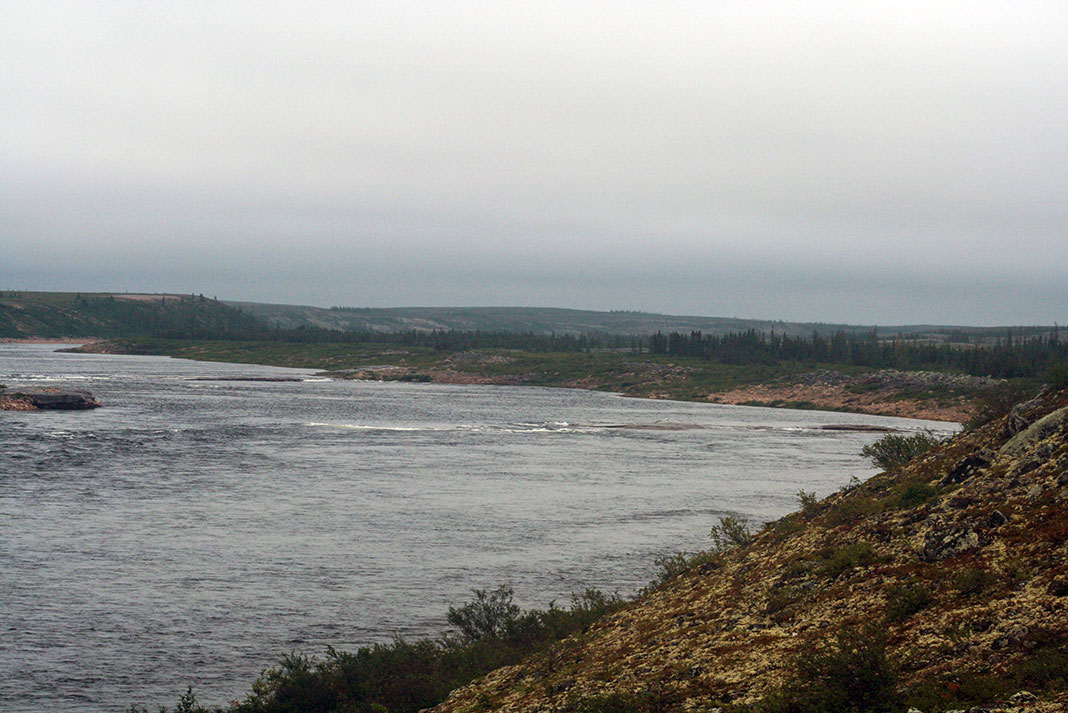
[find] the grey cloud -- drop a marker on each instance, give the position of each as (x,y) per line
(582,154)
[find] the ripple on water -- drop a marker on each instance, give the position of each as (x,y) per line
(188,536)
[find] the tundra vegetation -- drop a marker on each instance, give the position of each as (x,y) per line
(895,450)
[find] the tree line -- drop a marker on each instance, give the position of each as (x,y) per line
(450,340)
(1007,357)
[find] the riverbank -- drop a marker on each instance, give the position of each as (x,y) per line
(924,395)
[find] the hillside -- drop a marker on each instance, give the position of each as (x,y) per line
(58,315)
(538,320)
(102,315)
(939,585)
(546,320)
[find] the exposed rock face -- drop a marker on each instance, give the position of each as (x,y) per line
(1037,432)
(941,545)
(959,558)
(59,399)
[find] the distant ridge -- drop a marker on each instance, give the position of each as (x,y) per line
(539,320)
(26,314)
(550,320)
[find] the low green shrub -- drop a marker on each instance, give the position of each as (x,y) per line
(640,702)
(895,450)
(904,600)
(187,703)
(1057,376)
(731,532)
(406,677)
(838,560)
(781,599)
(1043,667)
(671,566)
(997,402)
(909,495)
(417,378)
(850,673)
(488,614)
(779,530)
(973,580)
(850,509)
(809,503)
(959,691)
(668,567)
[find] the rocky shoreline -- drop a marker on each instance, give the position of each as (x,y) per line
(881,393)
(875,394)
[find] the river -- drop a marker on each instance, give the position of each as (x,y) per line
(200,525)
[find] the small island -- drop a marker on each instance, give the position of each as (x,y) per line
(47,399)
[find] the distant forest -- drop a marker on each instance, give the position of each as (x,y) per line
(1007,357)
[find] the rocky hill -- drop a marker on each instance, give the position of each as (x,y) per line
(939,585)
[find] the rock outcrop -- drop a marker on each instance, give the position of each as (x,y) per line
(54,399)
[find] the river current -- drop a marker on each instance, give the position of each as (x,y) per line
(200,525)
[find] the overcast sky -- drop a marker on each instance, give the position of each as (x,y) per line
(843,162)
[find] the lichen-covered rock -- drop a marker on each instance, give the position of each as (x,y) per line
(1034,434)
(941,545)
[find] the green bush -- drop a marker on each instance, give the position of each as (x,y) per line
(973,580)
(838,560)
(731,532)
(910,494)
(406,677)
(905,600)
(850,509)
(671,566)
(187,703)
(781,598)
(851,673)
(810,504)
(894,450)
(488,614)
(1045,666)
(668,568)
(1057,376)
(641,702)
